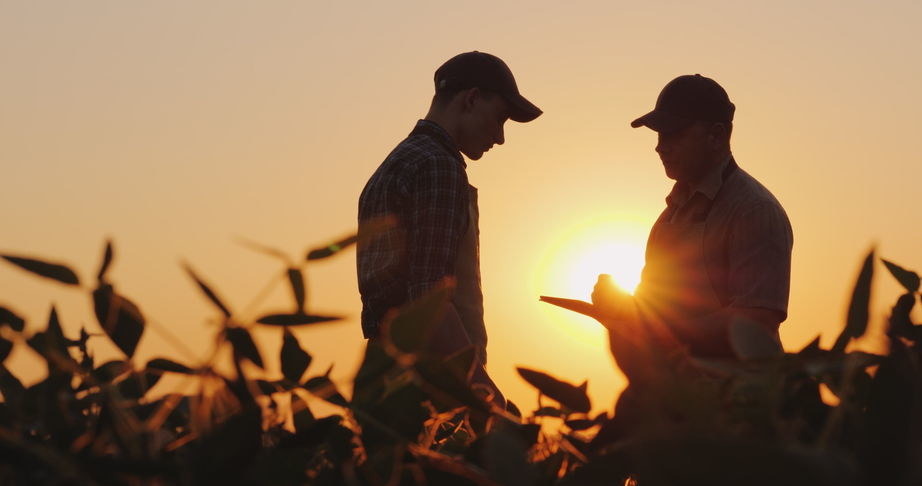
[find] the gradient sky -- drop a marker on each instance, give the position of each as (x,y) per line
(174,127)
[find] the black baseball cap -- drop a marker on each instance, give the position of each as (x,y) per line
(685,100)
(488,72)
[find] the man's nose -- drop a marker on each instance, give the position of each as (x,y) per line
(500,137)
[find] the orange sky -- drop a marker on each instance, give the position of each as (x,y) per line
(175,126)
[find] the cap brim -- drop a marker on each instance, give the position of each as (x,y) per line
(659,121)
(522,110)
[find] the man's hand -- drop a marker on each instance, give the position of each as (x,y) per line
(612,301)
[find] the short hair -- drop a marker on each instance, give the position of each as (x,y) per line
(444,96)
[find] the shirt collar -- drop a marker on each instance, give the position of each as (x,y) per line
(709,186)
(434,130)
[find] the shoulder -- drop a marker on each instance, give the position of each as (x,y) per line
(744,195)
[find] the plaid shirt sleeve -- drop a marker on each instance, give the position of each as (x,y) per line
(436,222)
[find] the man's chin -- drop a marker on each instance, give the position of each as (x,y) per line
(473,155)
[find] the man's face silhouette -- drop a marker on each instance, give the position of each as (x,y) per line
(687,153)
(481,123)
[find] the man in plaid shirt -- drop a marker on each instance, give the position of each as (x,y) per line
(422,185)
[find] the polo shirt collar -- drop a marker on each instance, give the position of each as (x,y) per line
(709,186)
(434,130)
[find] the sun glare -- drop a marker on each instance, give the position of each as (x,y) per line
(572,265)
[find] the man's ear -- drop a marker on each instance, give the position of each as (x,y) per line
(718,135)
(470,97)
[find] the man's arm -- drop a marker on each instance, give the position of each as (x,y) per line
(436,220)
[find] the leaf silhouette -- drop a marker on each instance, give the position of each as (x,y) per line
(5,347)
(52,345)
(266,250)
(110,370)
(8,318)
(119,317)
(751,341)
(296,278)
(54,271)
(332,249)
(138,384)
(908,279)
(572,397)
(322,387)
(243,345)
(293,358)
(163,364)
(857,320)
(301,414)
(106,261)
(296,319)
(10,386)
(410,329)
(207,291)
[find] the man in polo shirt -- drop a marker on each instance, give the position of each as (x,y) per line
(423,185)
(721,249)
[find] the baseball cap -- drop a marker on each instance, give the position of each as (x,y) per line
(485,71)
(685,100)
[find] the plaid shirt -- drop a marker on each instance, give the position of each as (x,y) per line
(422,184)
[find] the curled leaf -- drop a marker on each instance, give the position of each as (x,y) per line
(119,317)
(54,271)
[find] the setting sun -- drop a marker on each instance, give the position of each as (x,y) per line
(573,263)
(610,246)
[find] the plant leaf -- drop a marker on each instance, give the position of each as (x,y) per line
(293,358)
(324,388)
(8,318)
(119,317)
(110,370)
(570,396)
(294,319)
(52,345)
(414,323)
(580,424)
(332,248)
(264,249)
(5,347)
(137,384)
(106,261)
(751,341)
(163,364)
(296,278)
(213,297)
(10,386)
(909,279)
(857,320)
(243,344)
(301,414)
(54,271)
